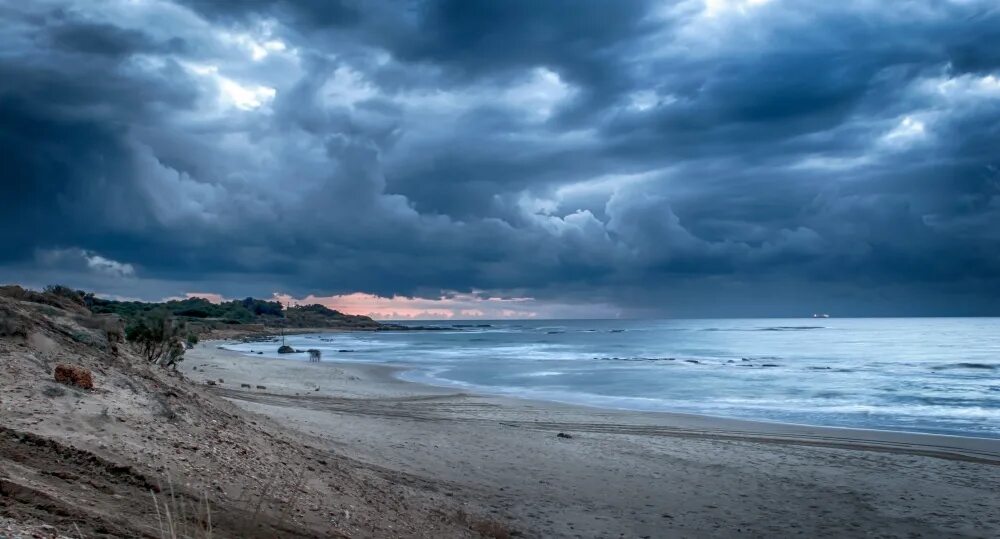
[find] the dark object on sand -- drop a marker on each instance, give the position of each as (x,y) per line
(285,349)
(260,353)
(261,387)
(74,376)
(245,385)
(563,435)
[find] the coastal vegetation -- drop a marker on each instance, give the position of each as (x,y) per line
(160,332)
(200,314)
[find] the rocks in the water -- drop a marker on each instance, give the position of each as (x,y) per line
(563,435)
(74,375)
(260,353)
(285,349)
(245,385)
(210,382)
(692,361)
(261,387)
(770,365)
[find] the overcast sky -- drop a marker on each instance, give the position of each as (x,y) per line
(508,158)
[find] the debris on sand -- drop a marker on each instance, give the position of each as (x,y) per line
(74,376)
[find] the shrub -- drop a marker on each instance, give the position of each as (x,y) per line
(157,335)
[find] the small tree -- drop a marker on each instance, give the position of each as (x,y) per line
(157,336)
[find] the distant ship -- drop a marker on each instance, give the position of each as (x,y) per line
(820,315)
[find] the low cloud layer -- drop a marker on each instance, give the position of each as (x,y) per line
(692,158)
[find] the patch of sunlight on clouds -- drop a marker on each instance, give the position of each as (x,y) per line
(715,8)
(246,97)
(540,94)
(907,132)
(346,88)
(536,97)
(231,93)
(822,162)
(967,86)
(605,184)
(256,48)
(644,100)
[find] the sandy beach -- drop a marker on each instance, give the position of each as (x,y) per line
(620,473)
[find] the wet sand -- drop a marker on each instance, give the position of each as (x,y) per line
(622,473)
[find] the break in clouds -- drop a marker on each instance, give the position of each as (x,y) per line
(702,157)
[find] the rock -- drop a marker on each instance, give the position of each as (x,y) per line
(221,381)
(74,375)
(245,385)
(285,349)
(210,382)
(563,435)
(261,387)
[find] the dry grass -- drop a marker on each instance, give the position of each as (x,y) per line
(492,529)
(180,519)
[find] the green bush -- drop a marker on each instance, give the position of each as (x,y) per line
(156,334)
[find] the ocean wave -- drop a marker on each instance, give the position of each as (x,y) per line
(542,373)
(636,359)
(980,366)
(790,328)
(769,328)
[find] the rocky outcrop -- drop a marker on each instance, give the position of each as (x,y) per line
(74,376)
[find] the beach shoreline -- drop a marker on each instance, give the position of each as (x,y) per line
(572,470)
(385,375)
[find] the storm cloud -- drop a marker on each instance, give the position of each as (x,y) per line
(692,158)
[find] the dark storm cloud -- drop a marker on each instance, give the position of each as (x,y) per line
(724,157)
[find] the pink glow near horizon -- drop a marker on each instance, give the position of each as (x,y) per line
(402,307)
(210,296)
(449,307)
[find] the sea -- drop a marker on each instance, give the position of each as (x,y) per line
(930,375)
